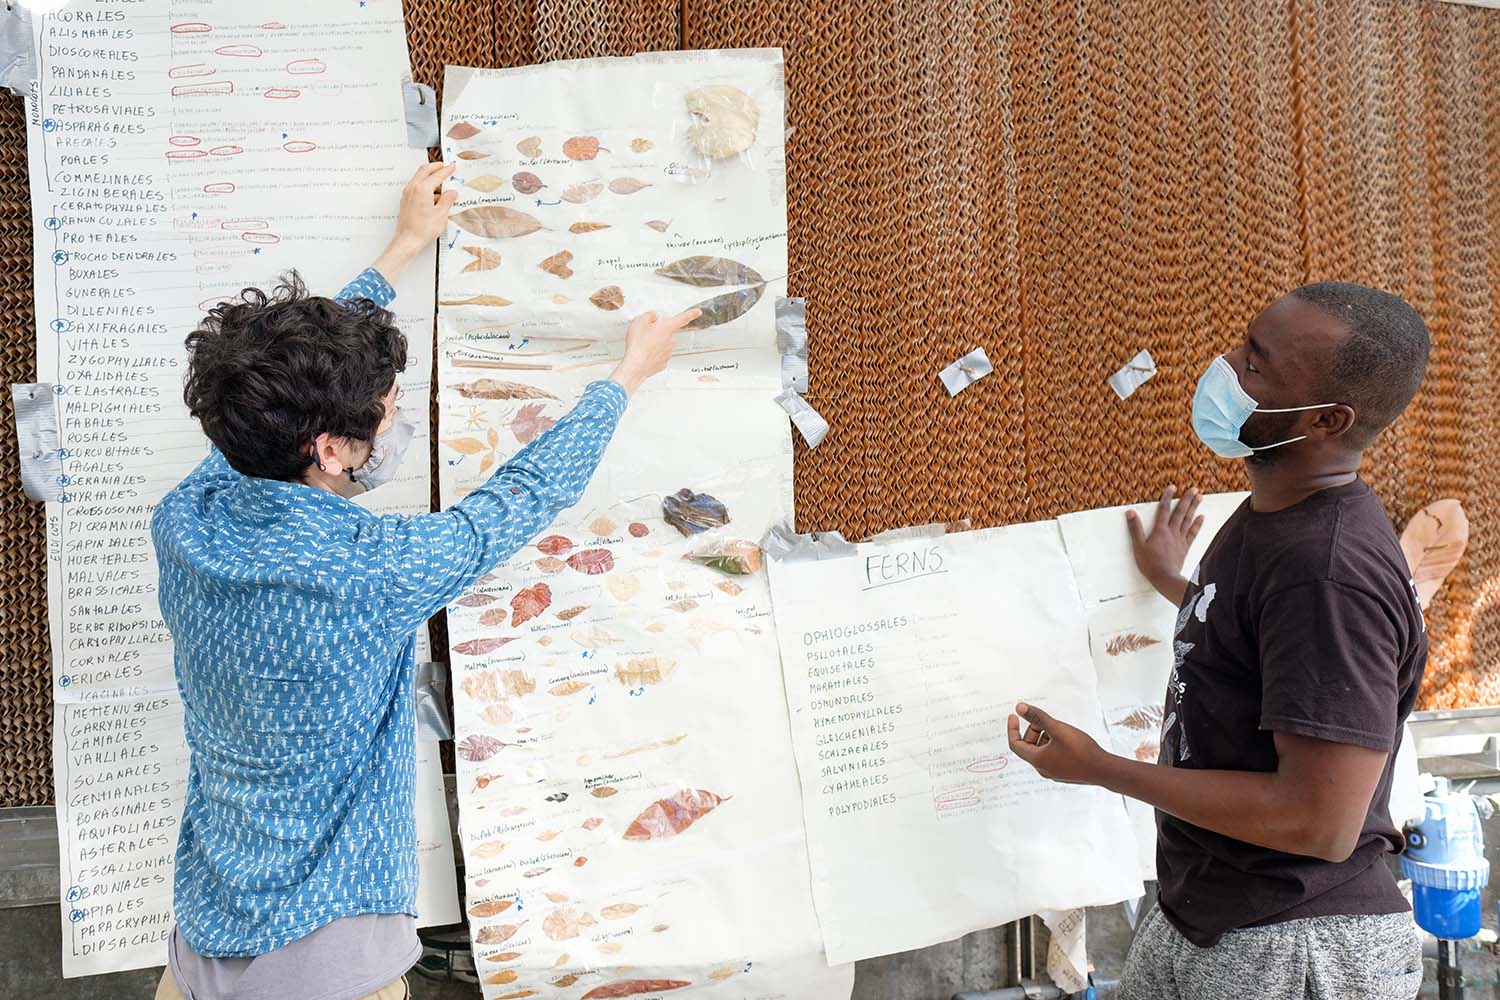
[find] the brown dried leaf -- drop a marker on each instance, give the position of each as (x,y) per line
(562,982)
(729,587)
(611,947)
(1143,719)
(504,956)
(653,745)
(558,264)
(557,897)
(489,849)
(580,194)
(660,225)
(466,445)
(609,298)
(631,987)
(464,130)
(496,222)
(489,388)
(486,463)
(627,185)
(604,792)
(726,308)
(496,934)
(1434,543)
(498,714)
(492,908)
(591,562)
(623,586)
(683,606)
(517,683)
(480,647)
(727,120)
(581,147)
(547,835)
(475,600)
(531,146)
(495,616)
(471,154)
(707,272)
(670,816)
(502,977)
(579,228)
(641,145)
(530,422)
(602,526)
(562,960)
(485,259)
(618,911)
(570,613)
(561,924)
(550,565)
(476,300)
(526,182)
(486,183)
(643,670)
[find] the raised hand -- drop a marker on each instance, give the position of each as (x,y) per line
(1161,551)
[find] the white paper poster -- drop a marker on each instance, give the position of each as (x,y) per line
(1131,628)
(178,153)
(903,663)
(629,809)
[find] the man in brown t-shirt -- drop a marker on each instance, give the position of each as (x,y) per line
(1299,650)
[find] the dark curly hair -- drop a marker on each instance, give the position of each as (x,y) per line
(268,373)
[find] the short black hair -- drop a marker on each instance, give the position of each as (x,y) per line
(1379,367)
(268,373)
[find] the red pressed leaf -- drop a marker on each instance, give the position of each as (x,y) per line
(554,545)
(529,603)
(479,647)
(592,561)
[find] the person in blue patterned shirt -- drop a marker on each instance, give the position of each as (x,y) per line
(293,613)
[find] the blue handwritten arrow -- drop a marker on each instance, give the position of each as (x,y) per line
(541,202)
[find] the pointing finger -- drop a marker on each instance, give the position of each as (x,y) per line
(682,319)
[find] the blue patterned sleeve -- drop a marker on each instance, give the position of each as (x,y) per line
(433,558)
(369,284)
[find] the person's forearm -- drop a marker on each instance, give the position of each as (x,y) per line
(395,258)
(1246,805)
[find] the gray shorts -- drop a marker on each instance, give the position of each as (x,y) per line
(1321,958)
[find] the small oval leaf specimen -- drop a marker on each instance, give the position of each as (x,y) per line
(578,194)
(609,298)
(627,185)
(579,228)
(486,183)
(492,908)
(554,545)
(472,154)
(496,933)
(496,222)
(670,816)
(660,225)
(530,146)
(464,130)
(691,513)
(526,182)
(581,147)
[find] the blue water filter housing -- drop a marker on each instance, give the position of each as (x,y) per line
(1446,864)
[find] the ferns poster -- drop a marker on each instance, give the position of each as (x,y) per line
(627,788)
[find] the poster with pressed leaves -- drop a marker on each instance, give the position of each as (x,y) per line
(620,714)
(1131,631)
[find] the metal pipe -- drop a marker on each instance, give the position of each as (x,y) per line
(1450,974)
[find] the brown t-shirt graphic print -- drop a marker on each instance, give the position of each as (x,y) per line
(1302,621)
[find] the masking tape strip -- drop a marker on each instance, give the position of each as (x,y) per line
(810,422)
(784,544)
(1136,373)
(791,342)
(966,371)
(420,102)
(431,684)
(17,61)
(37,436)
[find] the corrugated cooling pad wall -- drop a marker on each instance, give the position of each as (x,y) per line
(1062,184)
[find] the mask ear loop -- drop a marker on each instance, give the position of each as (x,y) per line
(1289,409)
(316,457)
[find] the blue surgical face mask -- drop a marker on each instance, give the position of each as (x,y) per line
(1221,406)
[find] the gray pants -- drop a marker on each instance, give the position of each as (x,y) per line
(1322,958)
